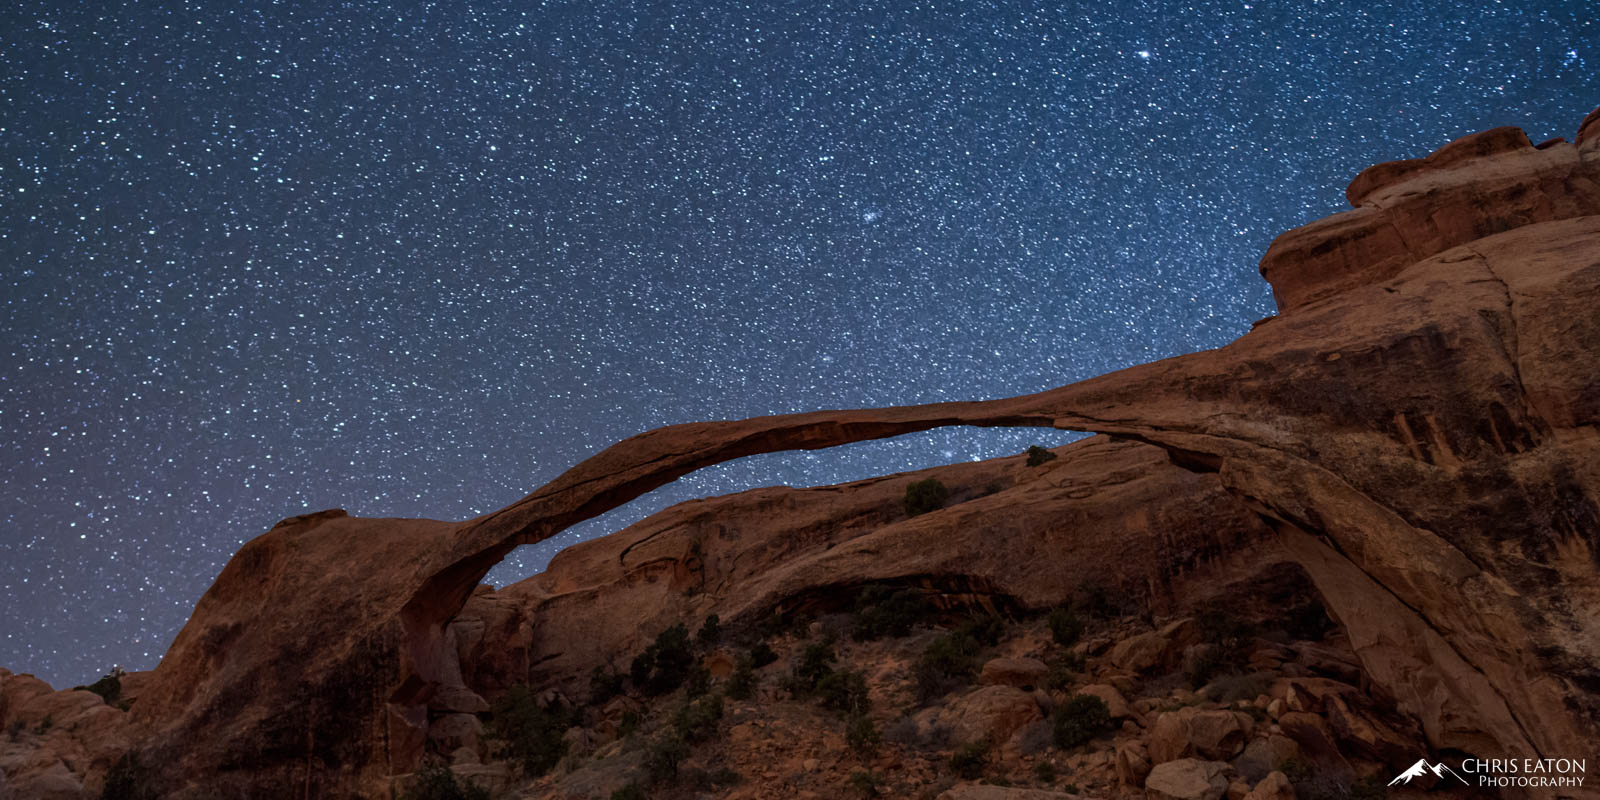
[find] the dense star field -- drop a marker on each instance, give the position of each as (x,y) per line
(416,260)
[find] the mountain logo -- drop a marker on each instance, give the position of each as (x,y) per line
(1416,771)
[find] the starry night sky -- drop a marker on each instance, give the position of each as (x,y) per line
(258,259)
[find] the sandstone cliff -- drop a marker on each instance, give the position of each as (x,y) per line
(1411,442)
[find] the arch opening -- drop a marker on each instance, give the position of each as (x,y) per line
(796,469)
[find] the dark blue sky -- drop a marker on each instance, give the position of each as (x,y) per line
(258,259)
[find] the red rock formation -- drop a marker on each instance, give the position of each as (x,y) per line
(1418,429)
(1117,515)
(1406,211)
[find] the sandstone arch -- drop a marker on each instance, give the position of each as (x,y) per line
(1419,426)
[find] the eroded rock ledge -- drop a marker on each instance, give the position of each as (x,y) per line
(1417,432)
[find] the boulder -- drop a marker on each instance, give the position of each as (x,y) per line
(1187,779)
(1275,786)
(458,699)
(1265,755)
(991,712)
(1022,673)
(55,782)
(720,664)
(1311,693)
(496,778)
(1316,741)
(1140,653)
(1211,734)
(1367,736)
(451,732)
(57,744)
(1334,662)
(1116,704)
(1133,764)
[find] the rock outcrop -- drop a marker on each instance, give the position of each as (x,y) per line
(1114,515)
(1416,433)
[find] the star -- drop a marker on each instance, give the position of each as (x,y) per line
(415,262)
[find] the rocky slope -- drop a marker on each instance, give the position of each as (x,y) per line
(1410,444)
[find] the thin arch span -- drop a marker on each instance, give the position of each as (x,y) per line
(647,461)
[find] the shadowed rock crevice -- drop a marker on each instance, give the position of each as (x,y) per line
(953,595)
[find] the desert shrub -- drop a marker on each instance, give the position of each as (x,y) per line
(1219,626)
(1224,637)
(761,655)
(947,664)
(836,625)
(630,791)
(674,656)
(439,783)
(969,759)
(1065,626)
(628,724)
(1323,786)
(698,681)
(778,623)
(865,783)
(924,496)
(45,724)
(640,668)
(697,721)
(1079,719)
(14,730)
(1038,455)
(883,611)
(904,731)
(604,684)
(725,777)
(985,630)
(109,687)
(1311,783)
(1044,772)
(1372,787)
(665,664)
(1094,600)
(129,779)
(1071,660)
(742,683)
(530,734)
(844,691)
(1063,670)
(1036,738)
(862,735)
(699,780)
(710,631)
(665,755)
(1233,688)
(816,663)
(1206,664)
(1295,770)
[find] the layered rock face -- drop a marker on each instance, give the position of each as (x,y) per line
(1415,433)
(1118,516)
(1407,211)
